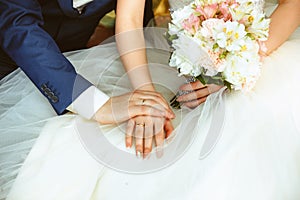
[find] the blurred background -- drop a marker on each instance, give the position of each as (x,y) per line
(106,25)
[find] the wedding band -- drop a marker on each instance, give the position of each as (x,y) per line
(140,125)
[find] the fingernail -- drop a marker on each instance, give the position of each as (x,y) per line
(169,139)
(145,155)
(128,147)
(171,115)
(159,152)
(138,154)
(171,111)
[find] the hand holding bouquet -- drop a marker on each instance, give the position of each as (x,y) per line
(217,42)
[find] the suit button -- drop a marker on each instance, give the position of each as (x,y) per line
(54,99)
(51,94)
(44,86)
(47,91)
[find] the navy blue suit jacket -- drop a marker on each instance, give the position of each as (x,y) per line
(33,33)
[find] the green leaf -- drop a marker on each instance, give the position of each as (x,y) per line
(228,85)
(201,79)
(215,46)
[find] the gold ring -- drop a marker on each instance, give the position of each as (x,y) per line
(140,124)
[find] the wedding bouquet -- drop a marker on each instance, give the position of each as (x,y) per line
(217,42)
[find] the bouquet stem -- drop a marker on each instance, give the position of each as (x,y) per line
(173,102)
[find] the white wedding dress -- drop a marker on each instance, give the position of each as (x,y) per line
(235,146)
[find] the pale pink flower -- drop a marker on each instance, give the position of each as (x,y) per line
(208,11)
(191,24)
(232,3)
(209,25)
(218,63)
(225,13)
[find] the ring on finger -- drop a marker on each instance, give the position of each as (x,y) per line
(140,124)
(143,101)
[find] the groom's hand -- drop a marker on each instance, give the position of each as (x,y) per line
(198,93)
(138,103)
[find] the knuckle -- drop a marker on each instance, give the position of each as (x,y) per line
(148,148)
(144,109)
(200,93)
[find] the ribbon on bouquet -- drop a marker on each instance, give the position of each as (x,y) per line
(216,107)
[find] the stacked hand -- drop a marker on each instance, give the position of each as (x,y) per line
(149,116)
(197,93)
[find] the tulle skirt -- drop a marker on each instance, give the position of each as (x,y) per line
(235,146)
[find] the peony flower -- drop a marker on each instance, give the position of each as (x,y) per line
(208,27)
(190,50)
(242,73)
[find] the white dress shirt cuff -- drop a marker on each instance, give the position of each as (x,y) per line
(80,3)
(88,102)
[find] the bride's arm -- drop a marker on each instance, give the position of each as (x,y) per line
(131,44)
(284,21)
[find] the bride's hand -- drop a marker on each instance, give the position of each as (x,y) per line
(145,129)
(121,108)
(198,95)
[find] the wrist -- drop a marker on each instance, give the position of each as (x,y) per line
(147,87)
(102,113)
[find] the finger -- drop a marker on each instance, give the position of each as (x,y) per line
(152,93)
(139,95)
(139,135)
(194,95)
(159,136)
(168,126)
(149,132)
(135,110)
(149,102)
(195,103)
(129,133)
(214,88)
(192,86)
(154,104)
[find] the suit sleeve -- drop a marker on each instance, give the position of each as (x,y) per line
(33,49)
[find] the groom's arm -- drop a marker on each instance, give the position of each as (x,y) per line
(33,49)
